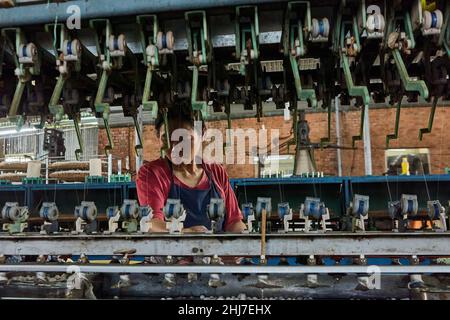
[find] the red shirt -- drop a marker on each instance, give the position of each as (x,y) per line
(153,186)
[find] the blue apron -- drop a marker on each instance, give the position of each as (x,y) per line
(195,201)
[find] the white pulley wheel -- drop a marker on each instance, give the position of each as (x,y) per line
(375,23)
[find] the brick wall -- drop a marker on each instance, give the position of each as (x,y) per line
(381,124)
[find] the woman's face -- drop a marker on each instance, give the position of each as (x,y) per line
(185,142)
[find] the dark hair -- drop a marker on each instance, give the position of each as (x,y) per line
(178,113)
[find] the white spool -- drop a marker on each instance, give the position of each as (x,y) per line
(428,19)
(87,211)
(375,23)
(117,45)
(165,41)
(71,50)
(27,53)
(320,28)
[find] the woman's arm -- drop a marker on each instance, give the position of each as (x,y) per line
(236,227)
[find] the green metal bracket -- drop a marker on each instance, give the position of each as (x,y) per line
(355,91)
(361,128)
(166,129)
(79,151)
(241,32)
(199,54)
(54,106)
(444,37)
(397,124)
(423,131)
(100,106)
(326,140)
(59,34)
(409,30)
(294,128)
(15,38)
(144,21)
(289,45)
(408,83)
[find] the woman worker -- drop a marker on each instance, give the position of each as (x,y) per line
(193,182)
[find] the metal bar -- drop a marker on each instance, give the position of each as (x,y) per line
(361,128)
(353,269)
(54,106)
(294,244)
(16,99)
(88,9)
(337,103)
(408,83)
(79,150)
(423,131)
(397,123)
(367,143)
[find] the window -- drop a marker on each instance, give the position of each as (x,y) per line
(279,166)
(418,159)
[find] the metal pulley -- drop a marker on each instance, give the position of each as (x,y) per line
(173,209)
(111,212)
(165,41)
(312,207)
(283,209)
(117,45)
(432,21)
(129,209)
(145,211)
(320,28)
(409,204)
(13,212)
(247,210)
(151,51)
(87,211)
(375,23)
(435,209)
(394,209)
(360,205)
(216,209)
(263,204)
(198,58)
(49,211)
(28,53)
(71,50)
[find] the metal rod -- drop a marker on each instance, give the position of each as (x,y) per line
(367,143)
(257,269)
(88,9)
(337,103)
(331,244)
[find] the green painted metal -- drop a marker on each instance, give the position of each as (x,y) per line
(15,37)
(60,34)
(32,181)
(95,179)
(428,129)
(354,91)
(117,178)
(143,21)
(241,31)
(100,106)
(445,33)
(289,45)
(408,83)
(393,136)
(326,140)
(79,150)
(54,106)
(198,41)
(361,127)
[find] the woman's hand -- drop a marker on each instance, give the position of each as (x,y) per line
(195,229)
